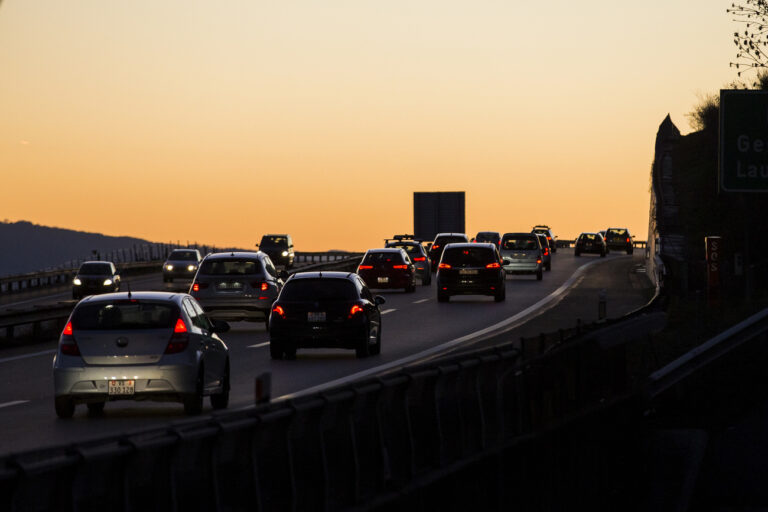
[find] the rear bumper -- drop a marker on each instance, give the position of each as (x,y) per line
(318,336)
(236,309)
(522,268)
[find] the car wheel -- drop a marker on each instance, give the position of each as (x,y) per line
(443,297)
(193,402)
(376,349)
(539,275)
(500,295)
(96,407)
(576,253)
(221,400)
(548,267)
(275,349)
(65,406)
(602,254)
(629,251)
(411,288)
(362,350)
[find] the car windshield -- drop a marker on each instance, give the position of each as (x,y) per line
(230,267)
(589,236)
(183,256)
(487,237)
(96,269)
(519,244)
(543,240)
(468,256)
(273,241)
(300,290)
(379,258)
(124,315)
(617,233)
(443,241)
(411,249)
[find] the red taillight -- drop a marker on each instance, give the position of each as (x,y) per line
(443,265)
(435,246)
(627,240)
(365,267)
(546,251)
(180,327)
(538,260)
(549,238)
(67,329)
(355,309)
(180,338)
(420,258)
(279,311)
(259,285)
(493,265)
(196,287)
(400,267)
(68,345)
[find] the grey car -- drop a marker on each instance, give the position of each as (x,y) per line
(95,277)
(546,252)
(521,254)
(181,264)
(237,286)
(140,346)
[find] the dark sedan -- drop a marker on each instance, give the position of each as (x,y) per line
(470,269)
(95,277)
(388,268)
(325,310)
(590,243)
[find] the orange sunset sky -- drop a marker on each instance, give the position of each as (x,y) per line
(219,121)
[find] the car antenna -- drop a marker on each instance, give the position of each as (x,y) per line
(129,290)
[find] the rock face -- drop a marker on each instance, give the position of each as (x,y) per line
(27,247)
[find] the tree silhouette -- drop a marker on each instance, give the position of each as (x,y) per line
(752,42)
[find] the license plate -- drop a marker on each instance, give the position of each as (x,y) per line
(316,316)
(383,279)
(468,272)
(230,286)
(122,387)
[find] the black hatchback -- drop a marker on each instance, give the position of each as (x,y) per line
(325,310)
(470,269)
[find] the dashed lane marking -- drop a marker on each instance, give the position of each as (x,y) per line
(16,402)
(420,301)
(26,356)
(259,345)
(387,311)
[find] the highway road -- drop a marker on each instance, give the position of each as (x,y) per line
(415,326)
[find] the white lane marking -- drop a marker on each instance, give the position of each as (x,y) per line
(259,345)
(387,311)
(17,402)
(555,295)
(26,356)
(420,301)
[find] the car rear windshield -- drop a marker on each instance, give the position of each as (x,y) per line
(183,256)
(589,236)
(520,243)
(543,240)
(468,256)
(445,240)
(231,267)
(124,315)
(617,233)
(273,241)
(300,290)
(487,237)
(411,249)
(380,258)
(96,269)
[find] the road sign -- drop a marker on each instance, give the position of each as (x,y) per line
(744,141)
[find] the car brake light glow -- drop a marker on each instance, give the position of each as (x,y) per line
(355,309)
(279,310)
(67,329)
(365,267)
(180,327)
(68,345)
(400,267)
(443,265)
(179,340)
(538,260)
(434,246)
(546,251)
(420,258)
(627,239)
(495,264)
(260,285)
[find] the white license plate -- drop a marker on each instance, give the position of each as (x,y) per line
(383,279)
(122,387)
(468,272)
(316,316)
(230,286)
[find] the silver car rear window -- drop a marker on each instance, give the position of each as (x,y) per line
(124,315)
(519,244)
(231,267)
(299,290)
(383,257)
(468,257)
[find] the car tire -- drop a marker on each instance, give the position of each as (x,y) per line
(376,349)
(539,275)
(221,400)
(576,253)
(629,251)
(548,267)
(95,408)
(443,297)
(500,295)
(410,289)
(193,402)
(65,406)
(362,348)
(275,349)
(602,254)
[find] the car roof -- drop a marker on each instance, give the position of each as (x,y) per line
(323,275)
(385,249)
(235,254)
(157,296)
(459,245)
(520,233)
(450,234)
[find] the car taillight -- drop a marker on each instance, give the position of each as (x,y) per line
(443,265)
(278,310)
(355,310)
(546,251)
(261,286)
(420,258)
(549,237)
(493,265)
(435,246)
(365,267)
(400,267)
(179,340)
(627,240)
(538,260)
(196,287)
(67,343)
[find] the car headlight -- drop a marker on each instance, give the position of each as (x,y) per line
(108,282)
(192,268)
(77,281)
(285,253)
(169,267)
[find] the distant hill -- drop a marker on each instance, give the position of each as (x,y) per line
(27,247)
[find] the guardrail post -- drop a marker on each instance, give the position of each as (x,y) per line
(262,388)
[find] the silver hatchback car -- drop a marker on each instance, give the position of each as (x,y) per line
(237,286)
(521,254)
(140,346)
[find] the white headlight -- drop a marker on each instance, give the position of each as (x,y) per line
(192,268)
(285,253)
(77,281)
(108,282)
(169,267)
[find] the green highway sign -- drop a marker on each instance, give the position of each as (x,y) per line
(743,140)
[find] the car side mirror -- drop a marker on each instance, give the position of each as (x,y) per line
(219,326)
(379,300)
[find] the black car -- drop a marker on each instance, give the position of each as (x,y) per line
(491,237)
(417,253)
(181,264)
(470,269)
(590,243)
(441,240)
(279,248)
(95,277)
(388,268)
(619,238)
(546,231)
(325,310)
